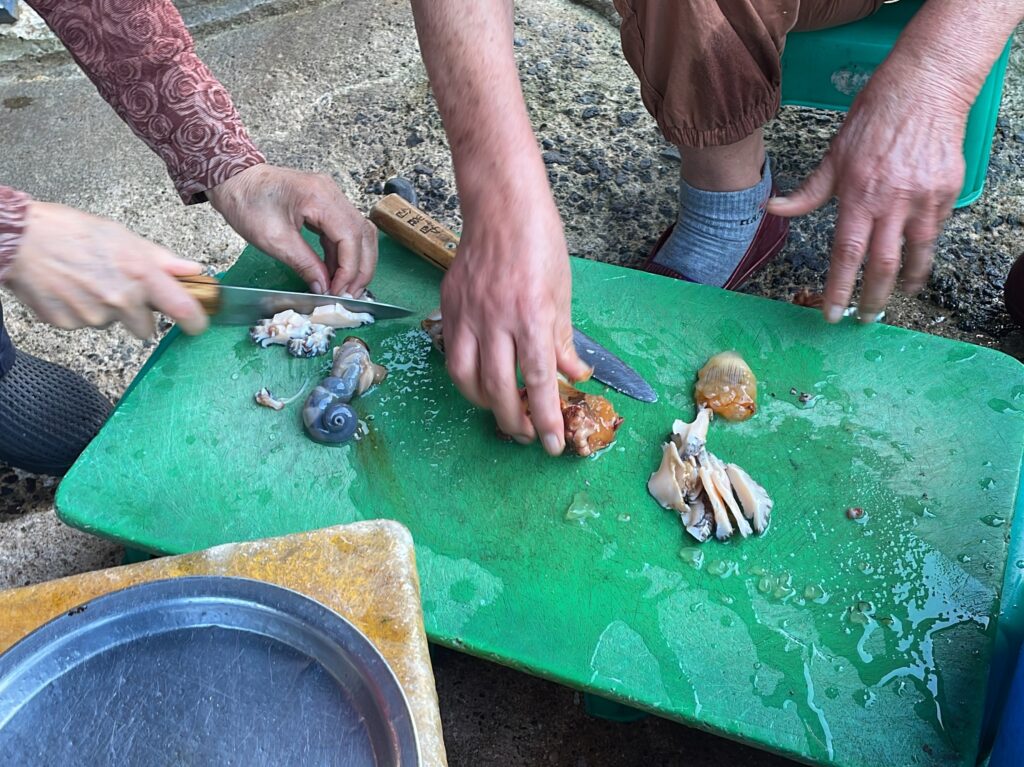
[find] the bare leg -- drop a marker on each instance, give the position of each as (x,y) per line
(729,168)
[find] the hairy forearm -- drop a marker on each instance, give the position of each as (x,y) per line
(951,45)
(467,48)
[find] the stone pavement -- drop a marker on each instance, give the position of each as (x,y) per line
(338,86)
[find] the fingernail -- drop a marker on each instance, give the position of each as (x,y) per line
(776,200)
(521,439)
(317,287)
(551,444)
(833,313)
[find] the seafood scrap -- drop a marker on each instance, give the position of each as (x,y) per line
(590,420)
(265,398)
(709,495)
(726,384)
(432,325)
(327,415)
(315,343)
(308,335)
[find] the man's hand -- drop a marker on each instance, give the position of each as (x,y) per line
(75,270)
(268,206)
(896,166)
(506,299)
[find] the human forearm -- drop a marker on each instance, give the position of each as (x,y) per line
(467,48)
(949,46)
(142,61)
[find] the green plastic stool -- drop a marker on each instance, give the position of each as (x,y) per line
(825,69)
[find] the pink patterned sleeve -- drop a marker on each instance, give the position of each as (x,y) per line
(142,60)
(13,209)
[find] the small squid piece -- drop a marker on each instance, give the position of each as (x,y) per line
(670,482)
(726,384)
(327,414)
(757,505)
(317,342)
(337,316)
(690,438)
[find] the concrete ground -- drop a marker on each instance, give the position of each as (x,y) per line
(338,86)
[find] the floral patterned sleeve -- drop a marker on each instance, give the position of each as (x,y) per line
(142,60)
(13,207)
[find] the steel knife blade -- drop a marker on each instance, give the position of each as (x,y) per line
(234,305)
(610,370)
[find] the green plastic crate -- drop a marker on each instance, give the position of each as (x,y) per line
(825,69)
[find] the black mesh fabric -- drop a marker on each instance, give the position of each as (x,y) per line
(47,415)
(6,347)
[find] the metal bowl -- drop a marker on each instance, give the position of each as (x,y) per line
(202,670)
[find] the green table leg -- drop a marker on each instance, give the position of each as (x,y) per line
(133,556)
(602,708)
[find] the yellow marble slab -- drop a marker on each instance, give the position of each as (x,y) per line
(365,572)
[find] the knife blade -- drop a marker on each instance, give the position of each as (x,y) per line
(610,370)
(234,305)
(428,239)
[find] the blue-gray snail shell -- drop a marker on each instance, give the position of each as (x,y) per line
(327,416)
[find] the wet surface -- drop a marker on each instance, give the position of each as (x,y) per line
(614,181)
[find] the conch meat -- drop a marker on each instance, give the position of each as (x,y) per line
(709,495)
(327,415)
(726,384)
(590,420)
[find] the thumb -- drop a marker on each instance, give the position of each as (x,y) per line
(814,192)
(569,362)
(297,253)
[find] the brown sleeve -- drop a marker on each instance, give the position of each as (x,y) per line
(13,210)
(142,60)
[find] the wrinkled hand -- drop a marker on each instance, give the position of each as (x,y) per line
(506,299)
(268,206)
(75,270)
(897,167)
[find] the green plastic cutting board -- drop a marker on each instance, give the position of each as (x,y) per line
(829,640)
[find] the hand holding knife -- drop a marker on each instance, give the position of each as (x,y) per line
(428,239)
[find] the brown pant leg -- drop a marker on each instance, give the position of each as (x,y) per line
(710,70)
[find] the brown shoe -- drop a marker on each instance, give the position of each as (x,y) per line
(769,239)
(1013,291)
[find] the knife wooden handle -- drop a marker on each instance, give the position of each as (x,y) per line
(415,230)
(205,290)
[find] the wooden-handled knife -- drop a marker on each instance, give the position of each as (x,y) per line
(234,305)
(428,239)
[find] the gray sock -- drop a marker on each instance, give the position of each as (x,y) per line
(714,230)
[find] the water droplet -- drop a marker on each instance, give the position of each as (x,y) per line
(694,556)
(728,620)
(872,355)
(865,697)
(832,692)
(696,607)
(234,376)
(766,584)
(986,483)
(623,517)
(1019,564)
(581,509)
(727,600)
(870,393)
(757,665)
(993,520)
(965,558)
(813,592)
